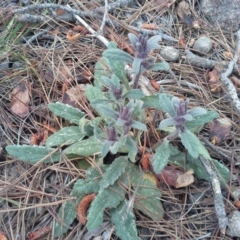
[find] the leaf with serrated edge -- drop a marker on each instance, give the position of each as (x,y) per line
(124,222)
(113,172)
(73,115)
(67,212)
(33,154)
(148,200)
(190,142)
(85,147)
(66,135)
(160,157)
(108,198)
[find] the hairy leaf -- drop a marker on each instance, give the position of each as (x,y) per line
(148,200)
(201,120)
(160,158)
(131,148)
(162,66)
(166,104)
(190,142)
(151,101)
(67,213)
(66,135)
(33,154)
(134,94)
(113,172)
(124,220)
(73,115)
(117,55)
(108,198)
(85,147)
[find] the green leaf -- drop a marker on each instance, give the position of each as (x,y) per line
(134,94)
(85,147)
(151,101)
(84,187)
(148,200)
(33,154)
(66,111)
(190,142)
(118,66)
(67,213)
(166,104)
(66,135)
(161,66)
(124,222)
(113,172)
(199,170)
(160,158)
(101,70)
(108,198)
(94,93)
(138,125)
(131,148)
(201,120)
(114,54)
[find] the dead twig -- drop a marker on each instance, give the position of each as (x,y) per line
(227,82)
(218,198)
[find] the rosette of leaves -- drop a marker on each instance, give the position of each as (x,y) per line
(182,123)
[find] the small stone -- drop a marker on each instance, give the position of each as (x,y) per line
(203,45)
(17,65)
(170,54)
(4,65)
(234,224)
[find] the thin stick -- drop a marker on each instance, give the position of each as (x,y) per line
(227,82)
(50,5)
(104,17)
(218,198)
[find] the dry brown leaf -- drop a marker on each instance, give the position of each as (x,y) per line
(219,130)
(20,99)
(149,26)
(235,81)
(73,95)
(2,236)
(215,88)
(36,138)
(184,13)
(73,37)
(228,55)
(175,177)
(185,179)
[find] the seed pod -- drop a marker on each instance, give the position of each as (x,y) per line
(83,207)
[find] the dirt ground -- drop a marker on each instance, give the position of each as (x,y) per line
(47,58)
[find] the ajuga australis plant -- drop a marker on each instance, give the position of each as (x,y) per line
(121,186)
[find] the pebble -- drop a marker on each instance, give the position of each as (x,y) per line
(234,224)
(17,65)
(170,54)
(203,45)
